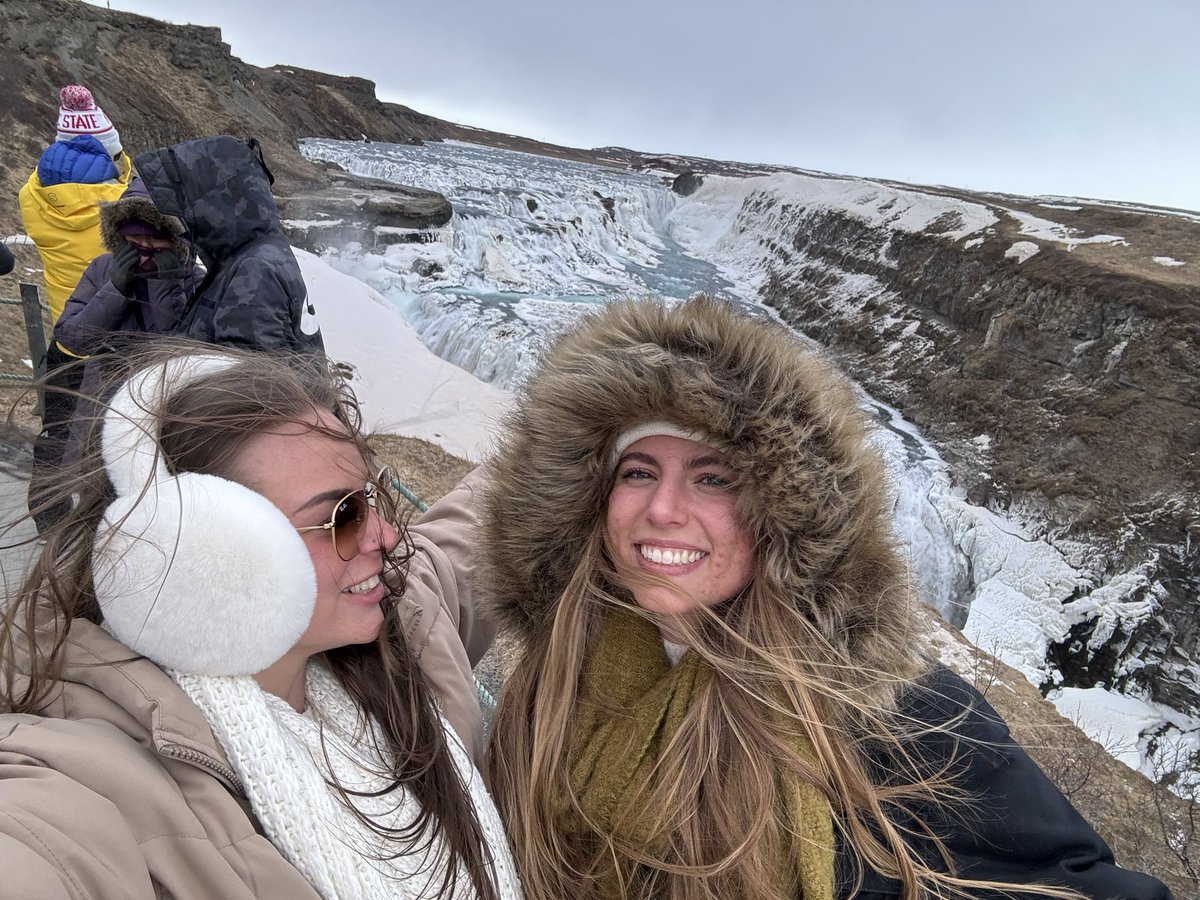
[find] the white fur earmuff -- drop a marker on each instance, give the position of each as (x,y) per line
(195,572)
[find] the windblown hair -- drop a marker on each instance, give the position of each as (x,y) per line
(815,651)
(202,428)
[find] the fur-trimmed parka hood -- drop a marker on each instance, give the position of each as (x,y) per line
(135,203)
(810,487)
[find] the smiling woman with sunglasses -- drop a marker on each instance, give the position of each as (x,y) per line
(226,674)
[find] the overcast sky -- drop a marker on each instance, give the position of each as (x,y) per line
(1089,98)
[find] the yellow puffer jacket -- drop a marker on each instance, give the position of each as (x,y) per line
(64,223)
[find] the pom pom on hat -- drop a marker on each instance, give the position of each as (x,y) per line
(76,98)
(79,114)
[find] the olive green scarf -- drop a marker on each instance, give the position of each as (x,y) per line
(613,755)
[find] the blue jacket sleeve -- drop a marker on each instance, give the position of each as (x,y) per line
(1018,828)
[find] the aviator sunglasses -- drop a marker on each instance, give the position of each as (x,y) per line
(350,514)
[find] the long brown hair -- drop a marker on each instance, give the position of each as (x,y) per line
(203,427)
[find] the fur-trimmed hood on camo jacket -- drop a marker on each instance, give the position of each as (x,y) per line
(254,295)
(812,491)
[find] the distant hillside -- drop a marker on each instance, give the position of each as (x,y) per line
(163,83)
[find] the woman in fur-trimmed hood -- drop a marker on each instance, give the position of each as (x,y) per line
(721,692)
(140,286)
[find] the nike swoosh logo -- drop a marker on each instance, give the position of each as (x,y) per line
(308,320)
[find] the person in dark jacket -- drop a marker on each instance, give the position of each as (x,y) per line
(253,296)
(722,690)
(6,260)
(139,288)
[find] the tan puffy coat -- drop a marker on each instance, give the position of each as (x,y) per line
(120,789)
(438,608)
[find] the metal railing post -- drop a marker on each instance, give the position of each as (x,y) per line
(36,334)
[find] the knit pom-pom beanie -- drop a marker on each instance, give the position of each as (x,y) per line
(79,114)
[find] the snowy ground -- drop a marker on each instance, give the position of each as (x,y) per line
(403,387)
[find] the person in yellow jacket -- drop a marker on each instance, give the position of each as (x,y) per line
(64,222)
(84,167)
(63,218)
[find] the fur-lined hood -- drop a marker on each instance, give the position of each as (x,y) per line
(135,203)
(812,491)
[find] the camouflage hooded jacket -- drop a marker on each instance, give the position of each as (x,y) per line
(253,295)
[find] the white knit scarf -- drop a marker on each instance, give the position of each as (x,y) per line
(283,764)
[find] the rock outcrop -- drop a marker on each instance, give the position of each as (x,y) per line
(162,83)
(367,211)
(1086,379)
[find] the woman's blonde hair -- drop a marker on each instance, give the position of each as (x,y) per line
(202,428)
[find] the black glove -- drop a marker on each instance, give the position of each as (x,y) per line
(123,270)
(167,264)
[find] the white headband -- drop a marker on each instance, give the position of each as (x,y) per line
(651,429)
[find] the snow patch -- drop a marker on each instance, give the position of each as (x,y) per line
(402,387)
(1046,230)
(1168,261)
(312,223)
(1146,736)
(1114,355)
(1022,250)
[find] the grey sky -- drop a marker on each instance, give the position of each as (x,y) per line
(1090,98)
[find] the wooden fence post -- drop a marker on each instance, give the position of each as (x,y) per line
(36,334)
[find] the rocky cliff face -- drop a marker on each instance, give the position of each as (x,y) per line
(163,83)
(1060,376)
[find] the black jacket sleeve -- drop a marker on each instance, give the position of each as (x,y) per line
(1017,828)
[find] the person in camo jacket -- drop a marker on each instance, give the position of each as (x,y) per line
(253,296)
